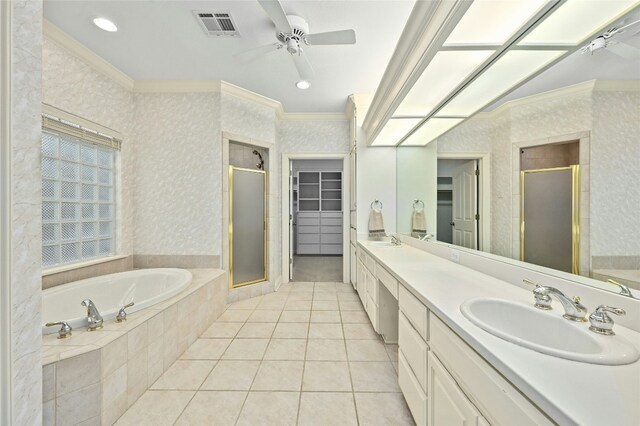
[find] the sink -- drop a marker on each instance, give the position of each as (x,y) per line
(381,244)
(547,332)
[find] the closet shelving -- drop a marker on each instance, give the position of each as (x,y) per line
(319,212)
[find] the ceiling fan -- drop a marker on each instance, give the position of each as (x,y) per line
(604,41)
(292,33)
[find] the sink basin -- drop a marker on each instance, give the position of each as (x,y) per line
(381,244)
(547,332)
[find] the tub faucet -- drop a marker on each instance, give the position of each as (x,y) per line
(93,316)
(573,309)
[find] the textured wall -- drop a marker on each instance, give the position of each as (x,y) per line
(177,178)
(314,136)
(615,175)
(26,296)
(68,83)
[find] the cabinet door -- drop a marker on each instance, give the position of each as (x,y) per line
(447,405)
(353,267)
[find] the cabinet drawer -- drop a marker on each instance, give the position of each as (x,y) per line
(308,214)
(498,400)
(308,248)
(331,214)
(413,394)
(308,221)
(331,249)
(372,311)
(370,263)
(387,280)
(414,310)
(330,221)
(331,238)
(414,349)
(308,229)
(308,238)
(331,229)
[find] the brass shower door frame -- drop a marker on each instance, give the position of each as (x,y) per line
(575,212)
(264,227)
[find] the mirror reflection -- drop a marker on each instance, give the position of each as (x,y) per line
(548,175)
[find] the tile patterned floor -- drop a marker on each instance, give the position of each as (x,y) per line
(306,355)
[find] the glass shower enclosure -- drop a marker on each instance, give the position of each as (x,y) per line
(550,218)
(247,226)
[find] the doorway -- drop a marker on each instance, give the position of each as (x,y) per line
(316,226)
(463,200)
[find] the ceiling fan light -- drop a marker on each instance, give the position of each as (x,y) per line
(105,24)
(303,84)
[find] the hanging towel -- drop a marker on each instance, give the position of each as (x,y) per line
(376,223)
(418,223)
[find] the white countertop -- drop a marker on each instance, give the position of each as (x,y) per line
(569,392)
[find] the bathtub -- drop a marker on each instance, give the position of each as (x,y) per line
(144,287)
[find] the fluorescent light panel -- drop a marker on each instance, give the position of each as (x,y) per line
(576,20)
(510,70)
(394,130)
(444,73)
(493,21)
(430,130)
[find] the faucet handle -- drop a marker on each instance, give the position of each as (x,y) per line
(600,320)
(122,314)
(65,330)
(541,295)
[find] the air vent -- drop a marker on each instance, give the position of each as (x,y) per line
(218,24)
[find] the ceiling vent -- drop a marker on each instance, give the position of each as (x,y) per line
(218,24)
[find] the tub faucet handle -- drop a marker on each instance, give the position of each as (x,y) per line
(122,314)
(65,330)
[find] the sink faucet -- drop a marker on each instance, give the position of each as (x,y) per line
(573,309)
(395,240)
(93,316)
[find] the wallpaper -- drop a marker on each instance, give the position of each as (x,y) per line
(248,119)
(615,175)
(314,136)
(177,179)
(26,296)
(68,83)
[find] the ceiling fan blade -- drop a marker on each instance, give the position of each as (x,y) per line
(332,37)
(277,15)
(626,51)
(256,52)
(303,66)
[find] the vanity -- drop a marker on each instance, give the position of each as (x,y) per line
(451,371)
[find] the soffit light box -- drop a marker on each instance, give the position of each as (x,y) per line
(496,46)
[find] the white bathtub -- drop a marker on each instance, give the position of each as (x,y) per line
(144,287)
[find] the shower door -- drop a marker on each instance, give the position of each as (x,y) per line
(550,218)
(247,226)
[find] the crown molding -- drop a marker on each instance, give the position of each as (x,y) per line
(85,54)
(248,95)
(313,116)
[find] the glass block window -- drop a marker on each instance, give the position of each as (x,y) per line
(78,206)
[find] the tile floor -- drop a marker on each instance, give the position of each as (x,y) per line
(305,355)
(317,268)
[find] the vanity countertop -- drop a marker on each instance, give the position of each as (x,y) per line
(569,392)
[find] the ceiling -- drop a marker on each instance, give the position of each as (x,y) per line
(161,40)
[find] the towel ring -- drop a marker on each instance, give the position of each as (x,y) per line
(375,203)
(417,201)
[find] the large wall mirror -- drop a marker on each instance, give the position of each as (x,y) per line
(550,169)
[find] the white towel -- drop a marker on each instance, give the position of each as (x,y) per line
(418,223)
(376,223)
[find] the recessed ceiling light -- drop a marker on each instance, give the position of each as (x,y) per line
(303,84)
(105,24)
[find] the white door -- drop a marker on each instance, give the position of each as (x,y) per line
(291,228)
(465,205)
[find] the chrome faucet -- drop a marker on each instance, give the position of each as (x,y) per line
(65,330)
(395,240)
(93,316)
(602,323)
(624,290)
(573,309)
(122,314)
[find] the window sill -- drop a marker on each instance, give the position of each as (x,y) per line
(79,265)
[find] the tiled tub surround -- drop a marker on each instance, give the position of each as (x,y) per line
(93,377)
(306,354)
(550,383)
(53,279)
